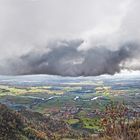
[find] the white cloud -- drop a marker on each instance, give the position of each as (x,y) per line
(27,25)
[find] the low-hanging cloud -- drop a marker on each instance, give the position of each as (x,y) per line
(64,58)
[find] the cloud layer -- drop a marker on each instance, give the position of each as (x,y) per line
(75,38)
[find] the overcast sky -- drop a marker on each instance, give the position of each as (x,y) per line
(38,36)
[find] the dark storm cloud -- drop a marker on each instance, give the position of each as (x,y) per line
(64,58)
